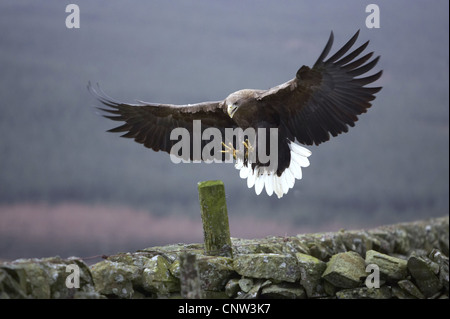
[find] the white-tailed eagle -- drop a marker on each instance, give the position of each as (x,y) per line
(320,101)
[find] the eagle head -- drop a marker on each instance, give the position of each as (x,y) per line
(231,109)
(235,100)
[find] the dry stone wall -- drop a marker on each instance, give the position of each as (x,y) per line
(408,260)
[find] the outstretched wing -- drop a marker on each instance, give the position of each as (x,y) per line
(151,124)
(327,98)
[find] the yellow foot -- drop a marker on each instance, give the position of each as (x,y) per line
(248,147)
(230,149)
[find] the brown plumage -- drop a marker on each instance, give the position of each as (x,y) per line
(320,101)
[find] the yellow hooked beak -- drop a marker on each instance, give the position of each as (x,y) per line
(231,109)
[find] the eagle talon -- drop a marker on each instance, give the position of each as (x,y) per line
(248,147)
(230,149)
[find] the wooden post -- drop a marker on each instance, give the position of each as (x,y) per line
(216,230)
(189,277)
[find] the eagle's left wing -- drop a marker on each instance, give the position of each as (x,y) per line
(151,124)
(326,98)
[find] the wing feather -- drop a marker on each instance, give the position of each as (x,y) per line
(327,98)
(358,62)
(341,51)
(353,54)
(150,124)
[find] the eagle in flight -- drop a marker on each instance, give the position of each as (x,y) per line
(320,101)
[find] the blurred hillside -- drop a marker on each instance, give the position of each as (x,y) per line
(391,167)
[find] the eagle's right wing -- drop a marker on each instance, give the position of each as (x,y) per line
(326,98)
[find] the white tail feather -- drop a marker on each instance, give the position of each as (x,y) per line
(277,186)
(251,178)
(268,183)
(280,185)
(259,184)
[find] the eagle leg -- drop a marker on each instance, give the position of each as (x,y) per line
(248,147)
(230,149)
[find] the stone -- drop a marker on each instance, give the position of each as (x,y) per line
(232,287)
(207,294)
(365,293)
(113,278)
(334,242)
(148,271)
(311,270)
(137,259)
(156,277)
(36,280)
(253,289)
(357,241)
(245,284)
(391,267)
(45,278)
(243,246)
(9,287)
(399,293)
(424,276)
(442,261)
(283,291)
(345,270)
(444,243)
(175,269)
(190,287)
(271,266)
(171,252)
(401,241)
(411,289)
(292,245)
(329,289)
(215,271)
(269,248)
(320,251)
(269,245)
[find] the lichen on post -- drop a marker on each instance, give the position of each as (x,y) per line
(216,230)
(189,277)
